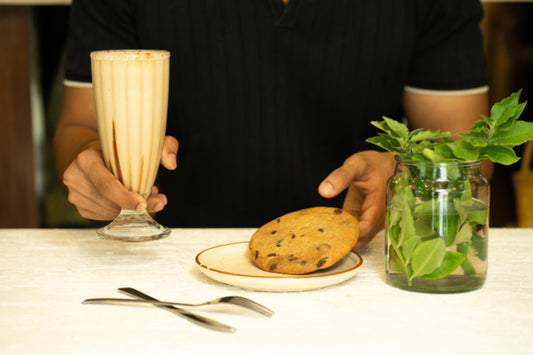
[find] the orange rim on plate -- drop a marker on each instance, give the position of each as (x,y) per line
(315,274)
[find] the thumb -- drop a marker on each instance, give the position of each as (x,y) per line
(170,151)
(339,179)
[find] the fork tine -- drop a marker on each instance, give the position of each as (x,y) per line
(250,304)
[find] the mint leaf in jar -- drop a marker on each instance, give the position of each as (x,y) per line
(437,201)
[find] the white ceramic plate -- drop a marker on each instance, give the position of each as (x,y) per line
(232,264)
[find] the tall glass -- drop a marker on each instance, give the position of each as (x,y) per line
(131,97)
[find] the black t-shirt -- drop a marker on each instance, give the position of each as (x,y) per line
(266,100)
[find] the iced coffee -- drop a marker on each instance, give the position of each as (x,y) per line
(131,97)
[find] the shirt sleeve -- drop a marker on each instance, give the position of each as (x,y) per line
(448,54)
(97,25)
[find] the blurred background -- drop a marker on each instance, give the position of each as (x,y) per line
(34,36)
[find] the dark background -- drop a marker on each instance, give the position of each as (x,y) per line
(507,30)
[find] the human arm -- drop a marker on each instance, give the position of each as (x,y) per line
(91,187)
(365,174)
(453,112)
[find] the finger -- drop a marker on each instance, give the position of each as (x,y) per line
(341,178)
(370,223)
(90,209)
(170,151)
(156,202)
(81,190)
(353,202)
(368,211)
(107,185)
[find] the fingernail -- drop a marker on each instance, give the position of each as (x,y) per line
(141,206)
(328,188)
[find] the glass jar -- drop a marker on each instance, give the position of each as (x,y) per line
(437,226)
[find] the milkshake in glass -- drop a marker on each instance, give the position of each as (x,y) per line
(131,97)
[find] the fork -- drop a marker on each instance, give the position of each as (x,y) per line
(234,300)
(195,318)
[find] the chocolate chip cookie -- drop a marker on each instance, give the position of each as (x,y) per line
(304,241)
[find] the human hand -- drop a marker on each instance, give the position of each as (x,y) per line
(365,174)
(99,195)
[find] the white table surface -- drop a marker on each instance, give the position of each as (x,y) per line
(46,273)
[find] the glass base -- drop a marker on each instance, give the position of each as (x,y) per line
(448,284)
(133,226)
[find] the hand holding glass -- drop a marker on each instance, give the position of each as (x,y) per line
(131,98)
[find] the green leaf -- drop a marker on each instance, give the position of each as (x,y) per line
(464,234)
(464,150)
(466,265)
(424,226)
(382,125)
(394,263)
(419,157)
(420,135)
(394,233)
(479,217)
(521,132)
(476,139)
(504,110)
(427,257)
(409,246)
(466,196)
(447,225)
(445,152)
(426,207)
(384,143)
(452,260)
(407,223)
(402,193)
(491,137)
(434,156)
(481,126)
(481,246)
(395,216)
(398,128)
(418,148)
(499,154)
(504,127)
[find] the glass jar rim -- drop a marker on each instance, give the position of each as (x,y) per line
(405,161)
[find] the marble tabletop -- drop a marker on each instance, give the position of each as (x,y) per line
(45,274)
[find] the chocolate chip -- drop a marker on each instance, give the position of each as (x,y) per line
(303,262)
(273,232)
(321,262)
(293,259)
(272,254)
(293,236)
(321,230)
(272,267)
(323,247)
(256,254)
(337,211)
(290,256)
(279,220)
(278,244)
